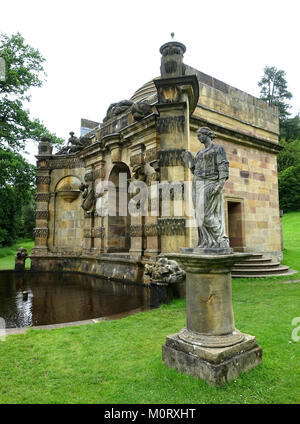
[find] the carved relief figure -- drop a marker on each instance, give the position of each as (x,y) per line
(88,197)
(211,169)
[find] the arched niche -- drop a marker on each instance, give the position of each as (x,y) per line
(118,225)
(69,216)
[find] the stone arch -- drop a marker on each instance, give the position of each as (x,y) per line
(69,216)
(119,225)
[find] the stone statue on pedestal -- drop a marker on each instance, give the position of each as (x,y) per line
(211,169)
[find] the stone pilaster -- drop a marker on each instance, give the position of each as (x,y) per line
(177,99)
(42,198)
(137,163)
(99,229)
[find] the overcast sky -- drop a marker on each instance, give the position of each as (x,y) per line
(99,52)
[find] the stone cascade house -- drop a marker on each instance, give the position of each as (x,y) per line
(142,138)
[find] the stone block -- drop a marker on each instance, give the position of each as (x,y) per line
(216,366)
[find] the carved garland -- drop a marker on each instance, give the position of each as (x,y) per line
(164,227)
(151,155)
(65,163)
(137,159)
(171,226)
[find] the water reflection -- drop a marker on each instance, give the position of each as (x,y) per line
(50,298)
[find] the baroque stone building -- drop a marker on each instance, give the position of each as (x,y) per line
(142,139)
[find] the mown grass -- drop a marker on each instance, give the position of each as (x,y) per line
(117,362)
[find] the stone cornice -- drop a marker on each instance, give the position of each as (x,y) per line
(235,118)
(236,136)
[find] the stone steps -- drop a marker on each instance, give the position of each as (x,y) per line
(259,266)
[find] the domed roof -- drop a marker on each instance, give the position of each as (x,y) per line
(146,93)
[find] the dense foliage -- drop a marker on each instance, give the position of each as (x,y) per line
(23,70)
(289,188)
(273,89)
(16,194)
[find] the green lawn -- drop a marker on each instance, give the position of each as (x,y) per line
(119,361)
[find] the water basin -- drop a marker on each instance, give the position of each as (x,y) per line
(42,298)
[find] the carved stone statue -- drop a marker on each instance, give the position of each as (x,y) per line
(165,271)
(88,198)
(211,169)
(74,145)
(138,110)
(116,109)
(20,259)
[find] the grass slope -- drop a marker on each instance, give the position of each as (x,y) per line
(119,362)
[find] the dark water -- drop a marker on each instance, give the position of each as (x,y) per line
(53,298)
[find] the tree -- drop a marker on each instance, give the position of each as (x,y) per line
(23,70)
(273,89)
(289,155)
(16,187)
(290,129)
(289,189)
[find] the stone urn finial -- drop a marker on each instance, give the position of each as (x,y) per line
(172,59)
(45,147)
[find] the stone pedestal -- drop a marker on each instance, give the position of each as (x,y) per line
(210,347)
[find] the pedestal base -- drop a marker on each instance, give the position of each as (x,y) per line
(214,365)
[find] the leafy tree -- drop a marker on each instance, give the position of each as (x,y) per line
(273,89)
(16,185)
(23,70)
(289,189)
(290,129)
(27,223)
(289,156)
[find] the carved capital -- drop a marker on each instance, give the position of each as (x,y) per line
(42,197)
(42,214)
(98,232)
(136,230)
(168,124)
(150,230)
(43,179)
(87,232)
(170,157)
(40,232)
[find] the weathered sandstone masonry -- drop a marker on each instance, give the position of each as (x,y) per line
(143,138)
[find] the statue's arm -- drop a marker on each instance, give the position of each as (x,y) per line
(188,159)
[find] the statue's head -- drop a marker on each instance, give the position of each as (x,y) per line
(204,132)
